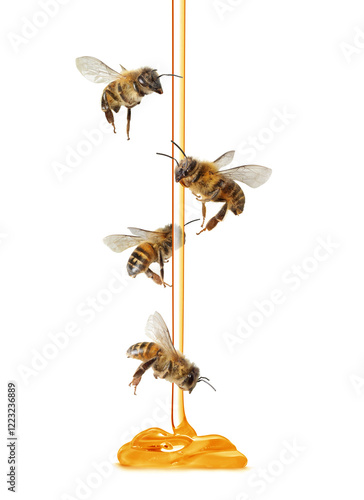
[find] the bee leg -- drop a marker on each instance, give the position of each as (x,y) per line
(135,382)
(161,263)
(106,109)
(153,276)
(203,213)
(211,197)
(204,200)
(216,219)
(128,123)
(140,372)
(157,279)
(110,118)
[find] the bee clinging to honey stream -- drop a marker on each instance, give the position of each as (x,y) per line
(123,89)
(208,183)
(151,246)
(161,355)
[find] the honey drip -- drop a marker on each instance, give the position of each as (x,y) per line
(157,448)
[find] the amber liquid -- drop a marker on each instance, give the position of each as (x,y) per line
(183,448)
(157,448)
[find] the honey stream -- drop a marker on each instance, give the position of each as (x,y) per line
(183,448)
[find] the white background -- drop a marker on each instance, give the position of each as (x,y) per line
(298,377)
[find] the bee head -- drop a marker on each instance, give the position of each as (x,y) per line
(185,168)
(190,381)
(149,81)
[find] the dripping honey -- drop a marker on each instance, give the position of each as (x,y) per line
(155,447)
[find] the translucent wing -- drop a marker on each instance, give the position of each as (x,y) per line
(157,330)
(95,70)
(120,242)
(147,235)
(252,175)
(224,159)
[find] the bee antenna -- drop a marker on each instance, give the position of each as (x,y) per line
(187,225)
(203,379)
(184,154)
(168,156)
(170,74)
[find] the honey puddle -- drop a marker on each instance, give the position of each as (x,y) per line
(155,447)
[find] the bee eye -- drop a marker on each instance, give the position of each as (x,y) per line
(190,166)
(141,80)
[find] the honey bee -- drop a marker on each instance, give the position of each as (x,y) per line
(161,355)
(208,183)
(123,89)
(152,246)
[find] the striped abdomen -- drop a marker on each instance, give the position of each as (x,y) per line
(234,195)
(141,259)
(143,351)
(112,98)
(118,94)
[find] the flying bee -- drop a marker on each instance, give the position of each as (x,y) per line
(123,89)
(208,183)
(161,355)
(152,246)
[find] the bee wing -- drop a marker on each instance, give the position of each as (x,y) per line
(147,235)
(224,159)
(120,242)
(157,330)
(95,70)
(252,175)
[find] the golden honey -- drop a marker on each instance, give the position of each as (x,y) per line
(157,448)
